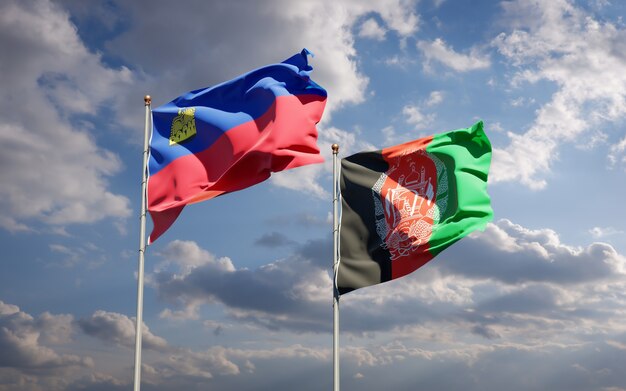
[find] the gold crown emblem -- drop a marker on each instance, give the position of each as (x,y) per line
(183,125)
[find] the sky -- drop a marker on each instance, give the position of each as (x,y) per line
(238,293)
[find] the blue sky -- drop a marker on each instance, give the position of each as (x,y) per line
(238,293)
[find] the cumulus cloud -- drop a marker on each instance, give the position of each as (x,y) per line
(57,78)
(560,43)
(415,116)
(602,232)
(438,51)
(167,365)
(435,98)
(187,256)
(418,115)
(186,365)
(531,276)
(484,367)
(28,359)
(507,304)
(119,329)
(280,294)
(52,169)
(231,367)
(324,27)
(513,254)
(305,180)
(371,29)
(98,382)
(22,339)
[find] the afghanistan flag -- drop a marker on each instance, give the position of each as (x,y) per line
(405,204)
(231,136)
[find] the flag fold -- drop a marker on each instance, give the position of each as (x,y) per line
(231,136)
(403,205)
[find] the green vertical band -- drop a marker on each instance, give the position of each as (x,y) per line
(466,154)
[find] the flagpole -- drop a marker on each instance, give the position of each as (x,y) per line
(335,148)
(142,248)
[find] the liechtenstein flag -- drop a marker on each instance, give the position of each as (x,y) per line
(231,136)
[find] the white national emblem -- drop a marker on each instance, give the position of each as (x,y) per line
(408,201)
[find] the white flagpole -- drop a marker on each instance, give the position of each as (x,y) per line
(335,148)
(142,248)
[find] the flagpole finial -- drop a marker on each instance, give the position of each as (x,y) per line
(335,148)
(147,99)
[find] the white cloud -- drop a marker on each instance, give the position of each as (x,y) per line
(438,51)
(187,255)
(521,287)
(13,226)
(399,61)
(435,98)
(371,29)
(191,365)
(52,170)
(307,179)
(602,232)
(190,311)
(617,157)
(583,57)
(303,179)
(8,309)
(325,27)
(390,135)
(536,256)
(193,368)
(27,361)
(55,329)
(529,271)
(522,101)
(415,117)
(284,293)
